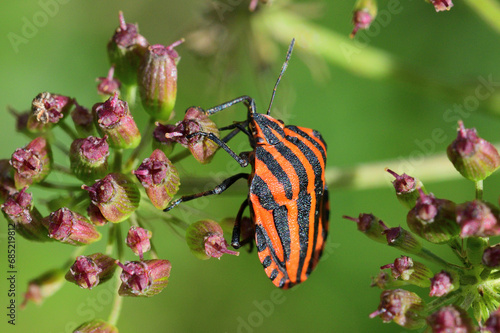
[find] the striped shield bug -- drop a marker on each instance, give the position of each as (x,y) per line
(287,197)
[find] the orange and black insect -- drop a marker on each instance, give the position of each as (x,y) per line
(288,196)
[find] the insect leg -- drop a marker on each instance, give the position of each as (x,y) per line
(249,102)
(217,190)
(235,239)
(242,161)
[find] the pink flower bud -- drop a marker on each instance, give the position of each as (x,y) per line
(71,228)
(144,278)
(31,163)
(138,240)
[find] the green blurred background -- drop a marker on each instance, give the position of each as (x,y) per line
(363,120)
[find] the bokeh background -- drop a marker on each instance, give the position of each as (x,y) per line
(364,117)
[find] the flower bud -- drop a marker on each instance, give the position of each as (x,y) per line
(116,196)
(159,177)
(138,240)
(43,287)
(95,215)
(114,119)
(477,218)
(71,228)
(160,140)
(443,283)
(474,157)
(206,239)
(19,210)
(108,85)
(157,80)
(83,120)
(413,272)
(48,109)
(491,256)
(21,121)
(195,120)
(365,12)
(406,188)
(7,185)
(125,51)
(433,219)
(492,324)
(403,307)
(89,158)
(441,5)
(450,318)
(387,281)
(96,326)
(370,226)
(32,163)
(89,271)
(144,278)
(401,239)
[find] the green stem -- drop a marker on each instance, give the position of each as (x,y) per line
(129,93)
(60,186)
(479,190)
(61,169)
(68,130)
(428,255)
(180,156)
(488,10)
(118,300)
(111,240)
(437,303)
(117,163)
(146,138)
(457,249)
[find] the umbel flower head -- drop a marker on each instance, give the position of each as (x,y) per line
(48,109)
(406,189)
(401,306)
(71,228)
(89,158)
(138,240)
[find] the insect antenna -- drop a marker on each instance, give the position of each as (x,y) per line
(283,69)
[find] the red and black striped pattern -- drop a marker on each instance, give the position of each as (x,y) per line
(288,198)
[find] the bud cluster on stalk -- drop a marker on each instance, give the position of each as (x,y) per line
(466,228)
(120,175)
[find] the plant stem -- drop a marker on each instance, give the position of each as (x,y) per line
(437,303)
(479,190)
(428,255)
(130,94)
(117,163)
(118,300)
(146,138)
(60,186)
(68,130)
(61,169)
(488,10)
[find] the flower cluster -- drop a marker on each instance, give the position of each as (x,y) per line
(465,228)
(108,191)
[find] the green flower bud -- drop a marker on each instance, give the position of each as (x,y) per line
(89,158)
(32,163)
(433,219)
(125,51)
(474,157)
(370,226)
(29,223)
(401,306)
(116,196)
(159,177)
(401,239)
(206,239)
(413,272)
(71,228)
(89,271)
(406,189)
(157,80)
(43,287)
(115,120)
(144,278)
(96,326)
